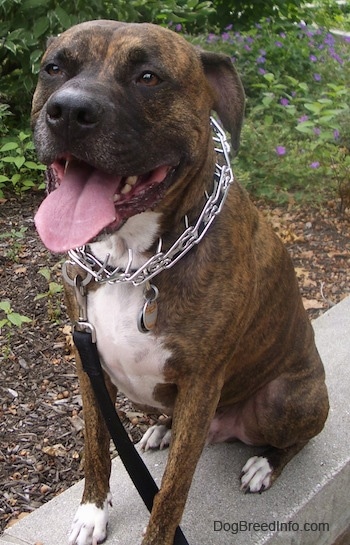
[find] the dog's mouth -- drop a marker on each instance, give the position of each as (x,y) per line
(84,201)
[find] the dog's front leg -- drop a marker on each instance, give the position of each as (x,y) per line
(90,523)
(194,409)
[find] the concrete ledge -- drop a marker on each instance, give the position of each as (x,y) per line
(313,489)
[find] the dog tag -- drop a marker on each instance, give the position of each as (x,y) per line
(148,315)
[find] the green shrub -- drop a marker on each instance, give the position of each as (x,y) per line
(296,134)
(19,168)
(243,14)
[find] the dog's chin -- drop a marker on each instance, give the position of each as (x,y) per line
(93,203)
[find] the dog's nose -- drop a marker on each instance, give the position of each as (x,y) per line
(70,110)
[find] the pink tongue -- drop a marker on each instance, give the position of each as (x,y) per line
(78,209)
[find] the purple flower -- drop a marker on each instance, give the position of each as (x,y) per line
(282,34)
(212,38)
(178,27)
(329,39)
(278,44)
(284,101)
(280,150)
(337,57)
(313,58)
(225,37)
(262,71)
(303,118)
(317,77)
(336,134)
(262,52)
(247,47)
(229,27)
(260,60)
(316,164)
(317,131)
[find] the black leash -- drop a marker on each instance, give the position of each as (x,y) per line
(131,459)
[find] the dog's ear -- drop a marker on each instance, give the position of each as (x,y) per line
(228,92)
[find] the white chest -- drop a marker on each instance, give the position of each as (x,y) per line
(133,360)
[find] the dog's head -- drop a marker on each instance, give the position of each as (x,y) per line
(121,115)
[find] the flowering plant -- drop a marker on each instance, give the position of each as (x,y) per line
(296,135)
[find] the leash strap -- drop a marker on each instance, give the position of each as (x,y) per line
(131,459)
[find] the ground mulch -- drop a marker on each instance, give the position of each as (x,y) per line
(41,418)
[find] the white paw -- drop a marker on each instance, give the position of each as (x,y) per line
(157,436)
(256,475)
(90,524)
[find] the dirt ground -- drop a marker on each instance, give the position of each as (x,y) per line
(41,418)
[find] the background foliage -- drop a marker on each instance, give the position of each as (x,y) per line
(296,77)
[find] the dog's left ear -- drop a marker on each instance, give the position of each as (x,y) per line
(228,92)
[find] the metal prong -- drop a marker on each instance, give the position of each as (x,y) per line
(160,244)
(128,267)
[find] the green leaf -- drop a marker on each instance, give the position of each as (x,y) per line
(46,273)
(15,178)
(33,166)
(9,159)
(17,319)
(4,178)
(314,107)
(268,120)
(9,146)
(19,161)
(304,86)
(11,47)
(28,83)
(267,100)
(269,77)
(40,27)
(40,296)
(3,322)
(23,136)
(54,288)
(306,127)
(31,4)
(62,17)
(5,306)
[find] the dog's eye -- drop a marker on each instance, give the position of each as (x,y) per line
(149,79)
(53,70)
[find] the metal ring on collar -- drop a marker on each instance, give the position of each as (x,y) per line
(72,281)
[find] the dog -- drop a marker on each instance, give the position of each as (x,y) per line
(212,330)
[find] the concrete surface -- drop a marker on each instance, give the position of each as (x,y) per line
(313,489)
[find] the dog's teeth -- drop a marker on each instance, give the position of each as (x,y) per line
(66,166)
(126,189)
(116,197)
(131,180)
